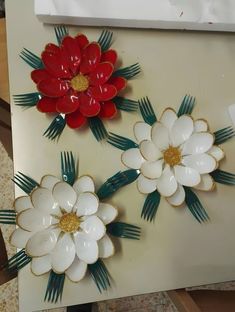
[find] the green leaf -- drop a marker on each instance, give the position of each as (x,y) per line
(31,59)
(26,183)
(195,206)
(27,99)
(105,40)
(147,111)
(126,105)
(123,230)
(223,177)
(151,205)
(56,128)
(68,167)
(224,135)
(7,216)
(17,262)
(55,287)
(128,72)
(100,275)
(98,129)
(186,106)
(121,142)
(60,32)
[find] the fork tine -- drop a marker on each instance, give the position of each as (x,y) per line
(22,182)
(223,177)
(31,59)
(224,134)
(187,105)
(128,72)
(125,104)
(147,111)
(121,142)
(105,40)
(55,128)
(62,161)
(98,129)
(32,181)
(60,32)
(26,183)
(195,205)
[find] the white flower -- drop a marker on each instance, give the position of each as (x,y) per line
(63,227)
(173,153)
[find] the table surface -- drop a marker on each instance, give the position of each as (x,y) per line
(174,251)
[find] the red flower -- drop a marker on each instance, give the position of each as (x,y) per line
(76,80)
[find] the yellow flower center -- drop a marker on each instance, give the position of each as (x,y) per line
(172,156)
(69,222)
(80,83)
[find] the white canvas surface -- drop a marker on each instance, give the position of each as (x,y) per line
(169,14)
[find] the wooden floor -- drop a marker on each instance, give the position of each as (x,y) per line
(194,301)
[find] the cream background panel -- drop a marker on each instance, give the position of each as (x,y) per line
(175,251)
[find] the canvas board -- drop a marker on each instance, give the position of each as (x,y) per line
(174,251)
(212,15)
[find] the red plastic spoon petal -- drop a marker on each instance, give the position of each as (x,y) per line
(109,56)
(56,64)
(90,58)
(67,104)
(82,40)
(72,53)
(75,120)
(53,87)
(40,74)
(89,107)
(119,83)
(101,74)
(103,92)
(47,105)
(108,110)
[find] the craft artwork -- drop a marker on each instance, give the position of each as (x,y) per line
(64,228)
(174,156)
(79,82)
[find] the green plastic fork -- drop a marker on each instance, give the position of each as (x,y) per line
(224,135)
(151,205)
(60,32)
(124,230)
(195,206)
(121,142)
(55,287)
(7,216)
(147,111)
(26,183)
(126,105)
(100,275)
(105,40)
(17,262)
(223,177)
(31,59)
(56,127)
(128,72)
(187,105)
(27,99)
(68,167)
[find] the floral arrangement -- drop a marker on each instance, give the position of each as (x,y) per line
(78,81)
(174,156)
(64,228)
